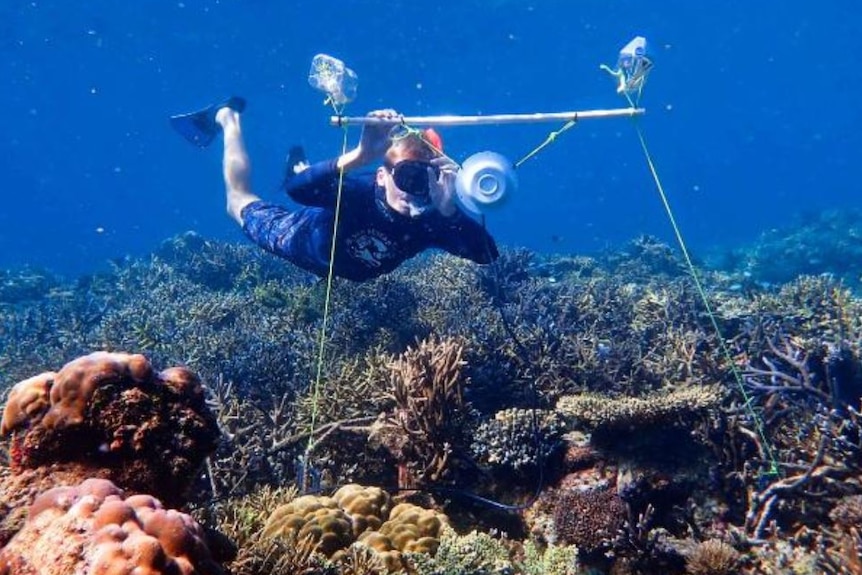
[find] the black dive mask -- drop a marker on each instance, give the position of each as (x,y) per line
(412,176)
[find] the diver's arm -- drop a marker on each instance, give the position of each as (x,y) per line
(373,143)
(467,238)
(316,185)
(353,159)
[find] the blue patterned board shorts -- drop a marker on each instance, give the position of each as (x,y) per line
(301,236)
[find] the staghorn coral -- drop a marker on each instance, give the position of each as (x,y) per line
(246,456)
(111,414)
(666,409)
(427,386)
(94,528)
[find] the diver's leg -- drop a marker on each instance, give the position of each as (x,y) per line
(236,165)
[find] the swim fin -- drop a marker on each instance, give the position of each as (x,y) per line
(200,127)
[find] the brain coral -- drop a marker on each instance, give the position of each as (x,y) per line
(115,417)
(92,528)
(356,513)
(314,517)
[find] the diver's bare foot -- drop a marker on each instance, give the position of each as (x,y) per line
(226,116)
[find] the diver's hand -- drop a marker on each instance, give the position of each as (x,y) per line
(443,188)
(375,140)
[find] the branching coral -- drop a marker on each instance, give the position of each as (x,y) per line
(428,387)
(713,557)
(472,554)
(517,438)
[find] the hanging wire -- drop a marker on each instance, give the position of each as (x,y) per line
(725,350)
(304,462)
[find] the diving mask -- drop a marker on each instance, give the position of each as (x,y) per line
(414,177)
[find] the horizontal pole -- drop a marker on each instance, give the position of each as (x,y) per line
(489,119)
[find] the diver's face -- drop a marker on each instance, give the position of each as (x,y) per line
(409,184)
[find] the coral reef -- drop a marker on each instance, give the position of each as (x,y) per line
(474,553)
(94,528)
(589,519)
(452,378)
(713,557)
(827,242)
(111,415)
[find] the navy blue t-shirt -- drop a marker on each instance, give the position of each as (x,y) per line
(372,240)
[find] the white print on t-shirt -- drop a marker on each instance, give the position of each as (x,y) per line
(369,246)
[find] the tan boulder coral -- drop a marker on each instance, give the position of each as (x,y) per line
(112,415)
(356,513)
(414,529)
(368,507)
(312,517)
(94,529)
(409,529)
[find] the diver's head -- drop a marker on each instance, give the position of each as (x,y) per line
(408,175)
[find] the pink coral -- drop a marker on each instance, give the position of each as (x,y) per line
(113,416)
(92,528)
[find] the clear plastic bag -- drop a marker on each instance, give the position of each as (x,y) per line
(331,76)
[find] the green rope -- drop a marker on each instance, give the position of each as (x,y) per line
(315,405)
(758,422)
(552,137)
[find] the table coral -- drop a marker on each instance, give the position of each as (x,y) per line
(93,528)
(594,411)
(112,415)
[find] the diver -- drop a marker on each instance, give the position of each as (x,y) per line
(405,207)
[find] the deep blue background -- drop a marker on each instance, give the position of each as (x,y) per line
(752,112)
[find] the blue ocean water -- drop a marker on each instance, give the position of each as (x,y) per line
(751,112)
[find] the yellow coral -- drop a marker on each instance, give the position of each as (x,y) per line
(315,517)
(367,507)
(595,411)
